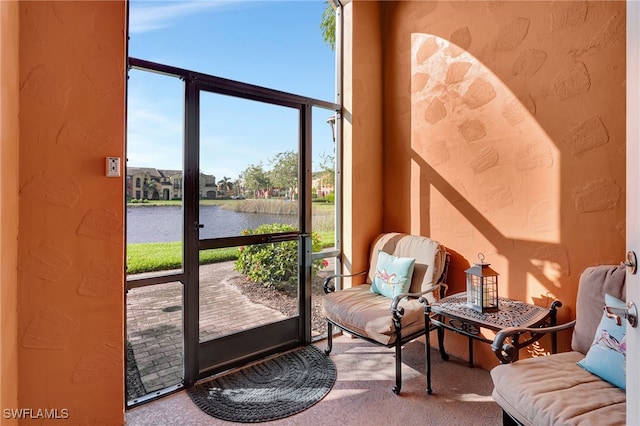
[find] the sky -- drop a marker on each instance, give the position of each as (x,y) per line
(274,44)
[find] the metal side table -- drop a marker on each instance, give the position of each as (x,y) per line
(453,313)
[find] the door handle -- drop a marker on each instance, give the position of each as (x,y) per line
(631,262)
(630,312)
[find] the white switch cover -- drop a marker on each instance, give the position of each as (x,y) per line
(113,166)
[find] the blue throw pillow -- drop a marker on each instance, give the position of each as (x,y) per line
(606,357)
(393,275)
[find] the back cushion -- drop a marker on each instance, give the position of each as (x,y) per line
(595,282)
(429,255)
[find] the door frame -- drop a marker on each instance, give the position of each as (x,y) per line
(196,368)
(633,202)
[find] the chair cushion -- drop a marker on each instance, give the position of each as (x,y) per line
(393,275)
(552,390)
(429,254)
(367,313)
(606,357)
(595,282)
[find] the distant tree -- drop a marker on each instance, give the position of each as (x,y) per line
(284,173)
(328,165)
(224,184)
(149,189)
(255,178)
(328,25)
(237,186)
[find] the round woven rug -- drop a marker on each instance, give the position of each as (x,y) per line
(269,390)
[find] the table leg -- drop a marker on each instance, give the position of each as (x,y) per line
(470,352)
(443,353)
(553,315)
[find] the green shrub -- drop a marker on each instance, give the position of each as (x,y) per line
(273,263)
(331,198)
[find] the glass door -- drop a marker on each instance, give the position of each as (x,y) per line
(248,210)
(227,220)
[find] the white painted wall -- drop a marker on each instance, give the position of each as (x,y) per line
(633,203)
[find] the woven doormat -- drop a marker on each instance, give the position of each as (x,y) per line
(269,390)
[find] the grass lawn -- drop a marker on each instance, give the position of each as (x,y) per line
(150,257)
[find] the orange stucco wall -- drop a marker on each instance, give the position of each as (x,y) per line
(504,133)
(362,133)
(9,136)
(71,240)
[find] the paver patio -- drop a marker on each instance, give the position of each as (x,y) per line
(154,321)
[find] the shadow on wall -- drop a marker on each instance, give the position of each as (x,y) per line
(516,147)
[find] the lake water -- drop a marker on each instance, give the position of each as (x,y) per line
(164,223)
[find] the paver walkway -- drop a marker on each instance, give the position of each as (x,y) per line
(154,321)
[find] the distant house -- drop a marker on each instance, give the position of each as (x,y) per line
(161,184)
(208,187)
(322,184)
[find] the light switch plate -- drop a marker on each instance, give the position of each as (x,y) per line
(113,166)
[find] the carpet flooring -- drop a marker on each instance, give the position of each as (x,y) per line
(362,393)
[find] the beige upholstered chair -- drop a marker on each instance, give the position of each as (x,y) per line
(386,321)
(553,389)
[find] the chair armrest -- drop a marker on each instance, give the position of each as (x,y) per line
(398,311)
(507,353)
(329,287)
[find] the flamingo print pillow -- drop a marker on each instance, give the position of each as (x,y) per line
(393,275)
(606,357)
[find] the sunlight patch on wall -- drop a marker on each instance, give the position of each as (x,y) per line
(484,141)
(551,262)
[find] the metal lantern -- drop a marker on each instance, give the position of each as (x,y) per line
(482,287)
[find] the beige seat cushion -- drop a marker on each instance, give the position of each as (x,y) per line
(368,314)
(553,390)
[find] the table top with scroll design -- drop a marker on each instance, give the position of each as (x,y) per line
(511,313)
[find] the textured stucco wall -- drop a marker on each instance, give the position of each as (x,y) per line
(71,239)
(504,133)
(362,133)
(9,136)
